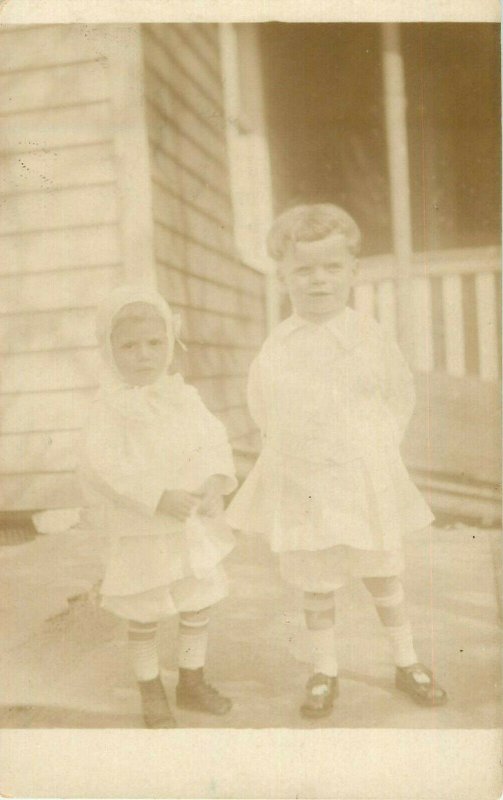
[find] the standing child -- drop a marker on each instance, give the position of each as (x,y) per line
(155,464)
(332,397)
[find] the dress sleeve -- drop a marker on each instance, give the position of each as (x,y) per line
(111,465)
(255,395)
(215,457)
(399,389)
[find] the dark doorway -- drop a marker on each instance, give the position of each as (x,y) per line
(325,114)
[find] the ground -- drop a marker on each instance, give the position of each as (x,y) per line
(65,660)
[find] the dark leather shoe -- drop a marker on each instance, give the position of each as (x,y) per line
(155,706)
(418,682)
(321,691)
(194,694)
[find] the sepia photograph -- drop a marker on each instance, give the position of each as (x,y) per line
(250,378)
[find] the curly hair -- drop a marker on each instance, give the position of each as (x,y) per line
(311,223)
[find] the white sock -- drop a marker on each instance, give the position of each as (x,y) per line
(323,650)
(192,643)
(143,650)
(402,644)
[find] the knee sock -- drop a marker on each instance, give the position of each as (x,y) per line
(192,642)
(322,642)
(402,644)
(400,635)
(142,640)
(319,613)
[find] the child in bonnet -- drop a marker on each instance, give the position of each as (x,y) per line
(154,466)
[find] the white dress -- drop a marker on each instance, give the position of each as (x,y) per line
(329,488)
(139,442)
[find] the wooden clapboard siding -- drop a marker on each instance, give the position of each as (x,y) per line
(181,166)
(182,178)
(43,411)
(21,253)
(204,41)
(184,60)
(200,225)
(69,126)
(60,289)
(201,293)
(60,248)
(183,114)
(112,154)
(26,91)
(183,152)
(39,330)
(58,208)
(43,47)
(74,166)
(199,258)
(183,187)
(210,328)
(207,361)
(73,368)
(221,300)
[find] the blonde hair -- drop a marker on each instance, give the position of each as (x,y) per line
(311,223)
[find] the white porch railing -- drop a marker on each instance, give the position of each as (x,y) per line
(454,308)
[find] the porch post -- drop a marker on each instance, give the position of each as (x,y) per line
(261,162)
(395,103)
(130,135)
(250,168)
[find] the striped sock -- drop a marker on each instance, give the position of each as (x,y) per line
(192,642)
(142,639)
(323,651)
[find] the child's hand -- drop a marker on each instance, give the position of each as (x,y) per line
(211,496)
(211,505)
(214,485)
(178,504)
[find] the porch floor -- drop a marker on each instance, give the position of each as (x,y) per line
(64,661)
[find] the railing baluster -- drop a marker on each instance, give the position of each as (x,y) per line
(422,324)
(386,306)
(487,328)
(452,306)
(458,330)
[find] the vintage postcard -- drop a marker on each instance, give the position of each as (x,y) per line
(250,400)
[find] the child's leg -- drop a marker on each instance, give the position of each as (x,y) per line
(322,687)
(192,691)
(412,677)
(193,638)
(319,613)
(388,598)
(142,639)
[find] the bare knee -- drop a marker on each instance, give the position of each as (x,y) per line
(319,610)
(200,617)
(142,626)
(383,586)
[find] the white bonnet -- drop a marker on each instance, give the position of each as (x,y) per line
(125,295)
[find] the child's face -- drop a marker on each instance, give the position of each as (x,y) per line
(318,276)
(140,349)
